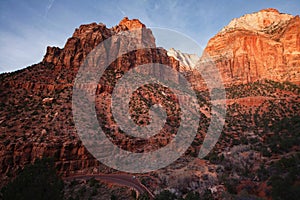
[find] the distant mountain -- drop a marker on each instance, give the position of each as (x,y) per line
(185,59)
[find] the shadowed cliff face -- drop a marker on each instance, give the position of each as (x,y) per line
(262,45)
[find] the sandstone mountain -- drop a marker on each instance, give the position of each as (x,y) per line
(36,116)
(261,45)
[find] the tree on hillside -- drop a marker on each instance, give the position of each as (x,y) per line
(36,181)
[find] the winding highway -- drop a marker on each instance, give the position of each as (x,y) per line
(120,179)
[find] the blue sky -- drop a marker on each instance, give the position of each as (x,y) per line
(28,27)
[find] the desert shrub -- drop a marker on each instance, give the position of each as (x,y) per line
(231,185)
(192,196)
(165,195)
(285,181)
(144,197)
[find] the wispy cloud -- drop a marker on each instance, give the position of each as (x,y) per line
(48,7)
(123,13)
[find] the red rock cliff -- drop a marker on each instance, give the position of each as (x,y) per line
(262,45)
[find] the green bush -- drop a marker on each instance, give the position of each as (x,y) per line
(231,185)
(285,181)
(92,182)
(165,195)
(144,197)
(113,197)
(192,196)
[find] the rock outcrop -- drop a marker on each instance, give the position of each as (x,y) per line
(87,37)
(187,60)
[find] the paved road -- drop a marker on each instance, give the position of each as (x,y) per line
(120,179)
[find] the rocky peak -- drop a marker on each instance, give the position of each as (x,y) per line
(85,29)
(83,40)
(258,21)
(87,37)
(269,10)
(185,59)
(131,24)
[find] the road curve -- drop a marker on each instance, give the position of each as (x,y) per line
(120,179)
